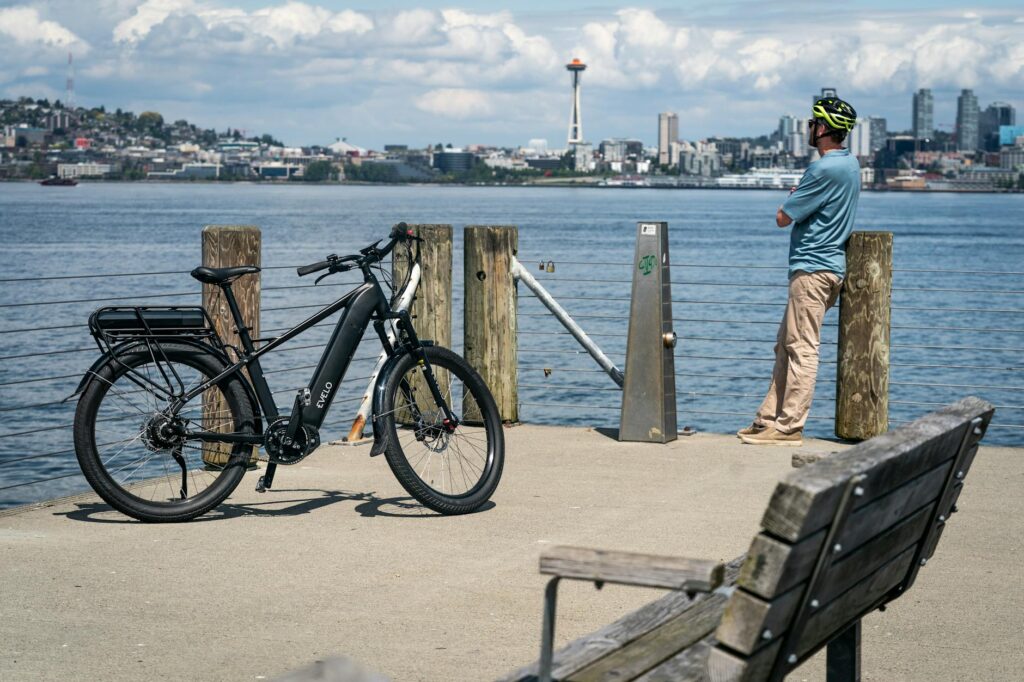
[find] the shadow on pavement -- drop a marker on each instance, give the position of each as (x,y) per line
(301,501)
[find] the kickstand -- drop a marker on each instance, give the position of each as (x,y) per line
(267,479)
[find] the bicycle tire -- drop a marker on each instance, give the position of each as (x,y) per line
(124,471)
(412,421)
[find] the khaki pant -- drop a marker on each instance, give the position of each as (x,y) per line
(796,351)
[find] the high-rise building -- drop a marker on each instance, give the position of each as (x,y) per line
(825,94)
(668,132)
(924,114)
(878,133)
(859,140)
(793,135)
(967,121)
(995,115)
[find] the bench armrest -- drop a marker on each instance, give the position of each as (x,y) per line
(629,568)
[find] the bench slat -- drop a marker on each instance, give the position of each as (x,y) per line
(805,501)
(735,667)
(853,604)
(747,616)
(628,568)
(657,646)
(774,566)
(688,666)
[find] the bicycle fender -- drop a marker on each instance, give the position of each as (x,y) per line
(104,358)
(380,437)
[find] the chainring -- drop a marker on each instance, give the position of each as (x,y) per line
(281,451)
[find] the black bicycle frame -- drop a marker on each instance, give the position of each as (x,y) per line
(359,307)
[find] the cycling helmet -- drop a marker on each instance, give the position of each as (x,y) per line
(835,113)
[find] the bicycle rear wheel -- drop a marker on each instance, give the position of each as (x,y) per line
(140,454)
(449,471)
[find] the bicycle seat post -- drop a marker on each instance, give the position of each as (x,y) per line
(236,314)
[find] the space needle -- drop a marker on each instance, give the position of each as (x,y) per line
(575,67)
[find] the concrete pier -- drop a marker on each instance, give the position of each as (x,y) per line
(338,560)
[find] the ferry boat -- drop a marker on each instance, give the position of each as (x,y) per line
(54,181)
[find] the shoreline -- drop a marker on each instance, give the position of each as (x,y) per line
(556,184)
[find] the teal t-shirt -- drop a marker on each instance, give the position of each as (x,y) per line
(823,209)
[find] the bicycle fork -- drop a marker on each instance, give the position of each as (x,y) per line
(416,346)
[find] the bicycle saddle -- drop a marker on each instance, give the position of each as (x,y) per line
(222,275)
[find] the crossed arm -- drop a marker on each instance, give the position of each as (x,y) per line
(781,219)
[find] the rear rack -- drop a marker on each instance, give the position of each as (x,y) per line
(112,325)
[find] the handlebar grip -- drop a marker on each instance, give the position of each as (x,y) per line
(304,270)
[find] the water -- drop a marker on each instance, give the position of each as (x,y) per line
(729,285)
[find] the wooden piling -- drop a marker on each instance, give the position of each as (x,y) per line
(431,308)
(228,246)
(489,324)
(862,377)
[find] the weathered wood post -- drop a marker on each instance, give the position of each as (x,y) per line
(431,307)
(227,246)
(489,323)
(862,376)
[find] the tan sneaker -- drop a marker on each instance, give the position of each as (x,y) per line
(751,430)
(772,436)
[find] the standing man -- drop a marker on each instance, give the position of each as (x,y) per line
(822,209)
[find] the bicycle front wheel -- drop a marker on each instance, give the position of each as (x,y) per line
(143,455)
(449,471)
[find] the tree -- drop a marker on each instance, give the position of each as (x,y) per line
(319,171)
(150,121)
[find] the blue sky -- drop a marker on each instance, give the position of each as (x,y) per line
(418,72)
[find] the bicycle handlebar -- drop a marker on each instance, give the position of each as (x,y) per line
(313,267)
(371,254)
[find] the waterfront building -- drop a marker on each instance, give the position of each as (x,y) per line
(859,140)
(668,132)
(700,158)
(583,157)
(621,149)
(190,171)
(537,145)
(1008,134)
(793,135)
(879,132)
(967,121)
(276,170)
(995,115)
(83,170)
(454,161)
(924,114)
(764,178)
(1012,158)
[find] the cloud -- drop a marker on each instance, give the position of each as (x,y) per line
(25,27)
(501,73)
(455,103)
(147,15)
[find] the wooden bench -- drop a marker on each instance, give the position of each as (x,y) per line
(841,537)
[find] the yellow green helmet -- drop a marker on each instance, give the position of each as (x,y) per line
(835,113)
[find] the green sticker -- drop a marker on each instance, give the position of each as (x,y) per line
(646,264)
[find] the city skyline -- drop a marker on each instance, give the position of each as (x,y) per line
(315,71)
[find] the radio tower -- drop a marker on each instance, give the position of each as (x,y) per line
(575,67)
(69,95)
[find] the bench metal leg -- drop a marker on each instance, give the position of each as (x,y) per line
(843,658)
(547,633)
